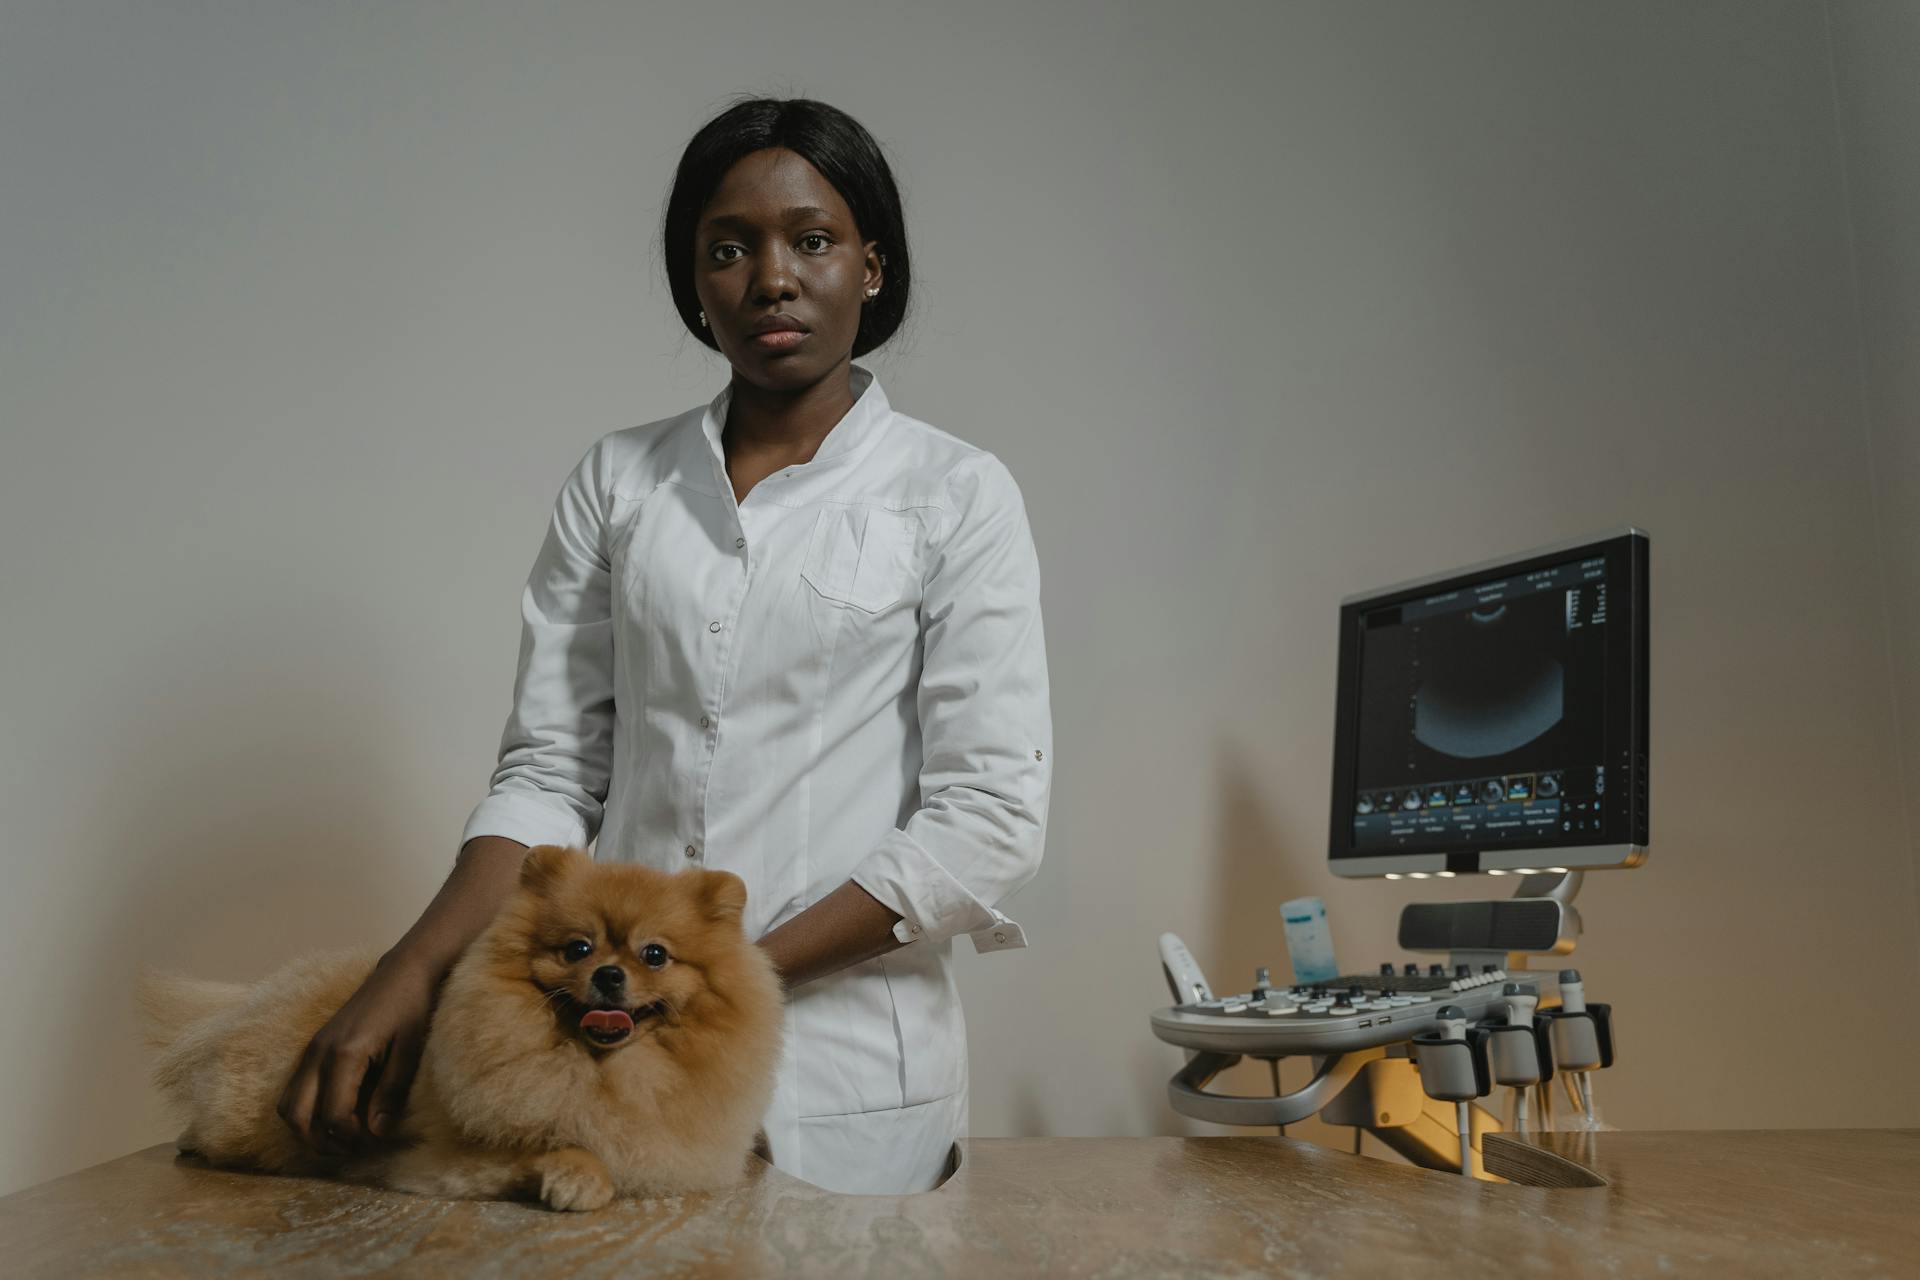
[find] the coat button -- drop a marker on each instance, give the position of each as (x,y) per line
(998,936)
(705,723)
(739,542)
(690,851)
(713,626)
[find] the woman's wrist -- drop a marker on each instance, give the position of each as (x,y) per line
(412,964)
(483,878)
(847,927)
(775,949)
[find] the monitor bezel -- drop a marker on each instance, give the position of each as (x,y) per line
(1623,838)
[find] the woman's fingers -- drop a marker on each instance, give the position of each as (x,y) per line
(302,1092)
(360,1066)
(337,1129)
(390,1094)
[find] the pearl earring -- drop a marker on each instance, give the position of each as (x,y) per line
(873,293)
(703,319)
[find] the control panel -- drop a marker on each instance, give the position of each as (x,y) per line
(1356,1011)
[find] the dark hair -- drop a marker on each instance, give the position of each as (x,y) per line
(845,154)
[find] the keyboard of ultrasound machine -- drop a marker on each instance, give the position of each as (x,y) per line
(1353,1011)
(1356,993)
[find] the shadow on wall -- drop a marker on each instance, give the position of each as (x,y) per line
(1252,874)
(220,861)
(1030,1111)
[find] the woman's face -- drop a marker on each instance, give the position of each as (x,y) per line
(781,271)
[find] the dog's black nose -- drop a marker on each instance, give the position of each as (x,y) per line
(610,977)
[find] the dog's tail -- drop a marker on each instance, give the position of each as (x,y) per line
(171,1003)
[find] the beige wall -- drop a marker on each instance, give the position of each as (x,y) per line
(309,308)
(1876,50)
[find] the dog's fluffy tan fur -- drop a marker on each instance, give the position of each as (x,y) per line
(513,1097)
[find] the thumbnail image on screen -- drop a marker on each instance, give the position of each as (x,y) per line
(1482,713)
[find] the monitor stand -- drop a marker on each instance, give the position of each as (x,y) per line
(1540,919)
(1561,887)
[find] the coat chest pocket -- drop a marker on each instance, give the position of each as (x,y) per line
(860,556)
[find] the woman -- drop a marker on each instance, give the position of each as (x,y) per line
(791,634)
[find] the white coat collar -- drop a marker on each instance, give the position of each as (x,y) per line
(861,426)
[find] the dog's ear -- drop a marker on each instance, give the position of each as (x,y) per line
(723,895)
(546,864)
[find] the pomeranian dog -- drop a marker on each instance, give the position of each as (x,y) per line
(611,1032)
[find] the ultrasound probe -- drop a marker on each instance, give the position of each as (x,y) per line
(1579,1071)
(1520,1062)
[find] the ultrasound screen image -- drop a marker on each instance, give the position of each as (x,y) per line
(1488,682)
(1481,713)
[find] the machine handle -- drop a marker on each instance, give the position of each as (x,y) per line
(1188,1094)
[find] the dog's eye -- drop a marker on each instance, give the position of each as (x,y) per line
(578,949)
(654,954)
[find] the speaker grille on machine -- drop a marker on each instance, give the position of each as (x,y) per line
(1523,924)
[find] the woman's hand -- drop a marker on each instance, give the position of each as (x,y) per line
(847,927)
(352,1081)
(351,1084)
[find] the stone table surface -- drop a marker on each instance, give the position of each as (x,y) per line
(1745,1203)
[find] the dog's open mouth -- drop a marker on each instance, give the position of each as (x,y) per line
(608,1027)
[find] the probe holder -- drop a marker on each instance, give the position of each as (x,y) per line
(1580,1041)
(1519,1055)
(1453,1070)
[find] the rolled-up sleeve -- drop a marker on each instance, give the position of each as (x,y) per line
(556,755)
(986,726)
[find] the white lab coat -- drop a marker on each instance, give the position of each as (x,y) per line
(842,677)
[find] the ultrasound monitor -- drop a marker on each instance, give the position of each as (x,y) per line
(1494,719)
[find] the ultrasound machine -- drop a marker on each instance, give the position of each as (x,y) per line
(1490,721)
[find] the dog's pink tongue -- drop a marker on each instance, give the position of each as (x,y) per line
(606,1020)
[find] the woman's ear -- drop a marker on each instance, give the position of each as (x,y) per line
(546,864)
(723,896)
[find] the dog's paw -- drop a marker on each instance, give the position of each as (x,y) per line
(575,1180)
